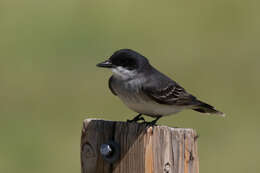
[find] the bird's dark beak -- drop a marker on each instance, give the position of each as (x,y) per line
(105,64)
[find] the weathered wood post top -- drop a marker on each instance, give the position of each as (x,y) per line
(121,147)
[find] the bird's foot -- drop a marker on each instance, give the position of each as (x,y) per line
(136,119)
(152,123)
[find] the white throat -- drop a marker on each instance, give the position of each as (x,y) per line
(124,73)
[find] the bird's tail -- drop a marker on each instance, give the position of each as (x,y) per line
(206,108)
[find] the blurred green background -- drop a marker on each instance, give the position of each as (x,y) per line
(49,83)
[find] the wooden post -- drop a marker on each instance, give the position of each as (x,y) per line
(157,149)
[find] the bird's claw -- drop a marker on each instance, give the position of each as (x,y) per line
(140,118)
(136,119)
(150,124)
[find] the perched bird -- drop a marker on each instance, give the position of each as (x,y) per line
(147,91)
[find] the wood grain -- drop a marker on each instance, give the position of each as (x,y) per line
(158,149)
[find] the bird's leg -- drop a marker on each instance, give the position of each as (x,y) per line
(152,123)
(136,119)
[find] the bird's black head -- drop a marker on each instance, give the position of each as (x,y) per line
(126,59)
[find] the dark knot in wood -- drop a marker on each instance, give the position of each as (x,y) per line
(88,151)
(167,167)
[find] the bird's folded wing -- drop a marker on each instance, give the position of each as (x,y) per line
(110,85)
(170,94)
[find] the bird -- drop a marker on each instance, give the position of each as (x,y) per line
(147,91)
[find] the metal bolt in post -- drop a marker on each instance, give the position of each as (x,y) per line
(110,151)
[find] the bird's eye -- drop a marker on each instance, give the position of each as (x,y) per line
(125,62)
(129,64)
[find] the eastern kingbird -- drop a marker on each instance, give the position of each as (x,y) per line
(147,91)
